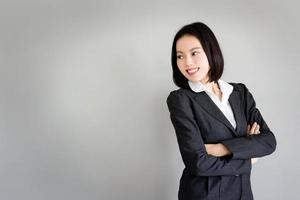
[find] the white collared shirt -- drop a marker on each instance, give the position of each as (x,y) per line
(223,105)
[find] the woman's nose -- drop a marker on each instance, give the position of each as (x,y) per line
(189,61)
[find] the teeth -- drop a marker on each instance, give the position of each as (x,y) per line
(190,71)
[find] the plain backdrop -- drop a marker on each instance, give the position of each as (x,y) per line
(83,88)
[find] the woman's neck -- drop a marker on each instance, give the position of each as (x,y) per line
(214,88)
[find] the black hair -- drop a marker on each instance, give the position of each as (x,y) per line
(210,46)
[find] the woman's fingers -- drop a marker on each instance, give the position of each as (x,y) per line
(254,160)
(254,129)
(248,129)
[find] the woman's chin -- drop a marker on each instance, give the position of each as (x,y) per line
(194,79)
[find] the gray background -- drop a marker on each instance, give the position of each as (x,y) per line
(83,86)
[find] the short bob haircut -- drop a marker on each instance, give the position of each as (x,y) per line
(210,46)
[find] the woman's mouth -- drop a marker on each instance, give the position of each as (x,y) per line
(192,71)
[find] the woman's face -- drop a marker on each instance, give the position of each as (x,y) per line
(191,59)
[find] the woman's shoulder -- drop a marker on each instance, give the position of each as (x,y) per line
(186,94)
(180,95)
(239,86)
(181,92)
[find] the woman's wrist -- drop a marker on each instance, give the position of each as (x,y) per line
(223,150)
(217,150)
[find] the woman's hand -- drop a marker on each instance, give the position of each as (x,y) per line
(217,150)
(254,130)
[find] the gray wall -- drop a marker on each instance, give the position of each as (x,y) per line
(83,86)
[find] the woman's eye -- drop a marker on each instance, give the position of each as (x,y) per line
(194,53)
(179,57)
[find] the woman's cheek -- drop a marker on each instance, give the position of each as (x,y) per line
(180,65)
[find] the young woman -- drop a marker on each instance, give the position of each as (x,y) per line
(219,130)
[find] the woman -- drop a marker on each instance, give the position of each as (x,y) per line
(219,130)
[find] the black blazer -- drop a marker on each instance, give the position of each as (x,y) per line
(197,121)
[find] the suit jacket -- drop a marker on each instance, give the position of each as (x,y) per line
(197,121)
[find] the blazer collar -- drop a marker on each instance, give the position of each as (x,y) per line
(225,87)
(235,102)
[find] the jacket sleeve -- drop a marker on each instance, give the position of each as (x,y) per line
(253,145)
(191,145)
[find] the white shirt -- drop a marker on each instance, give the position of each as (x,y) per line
(223,104)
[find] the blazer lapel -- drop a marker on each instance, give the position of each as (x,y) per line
(207,104)
(235,103)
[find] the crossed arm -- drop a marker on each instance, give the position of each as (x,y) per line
(220,149)
(259,142)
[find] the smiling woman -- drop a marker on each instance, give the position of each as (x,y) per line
(219,130)
(191,59)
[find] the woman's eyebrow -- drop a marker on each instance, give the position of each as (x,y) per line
(195,48)
(192,49)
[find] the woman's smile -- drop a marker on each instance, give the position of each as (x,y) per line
(192,71)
